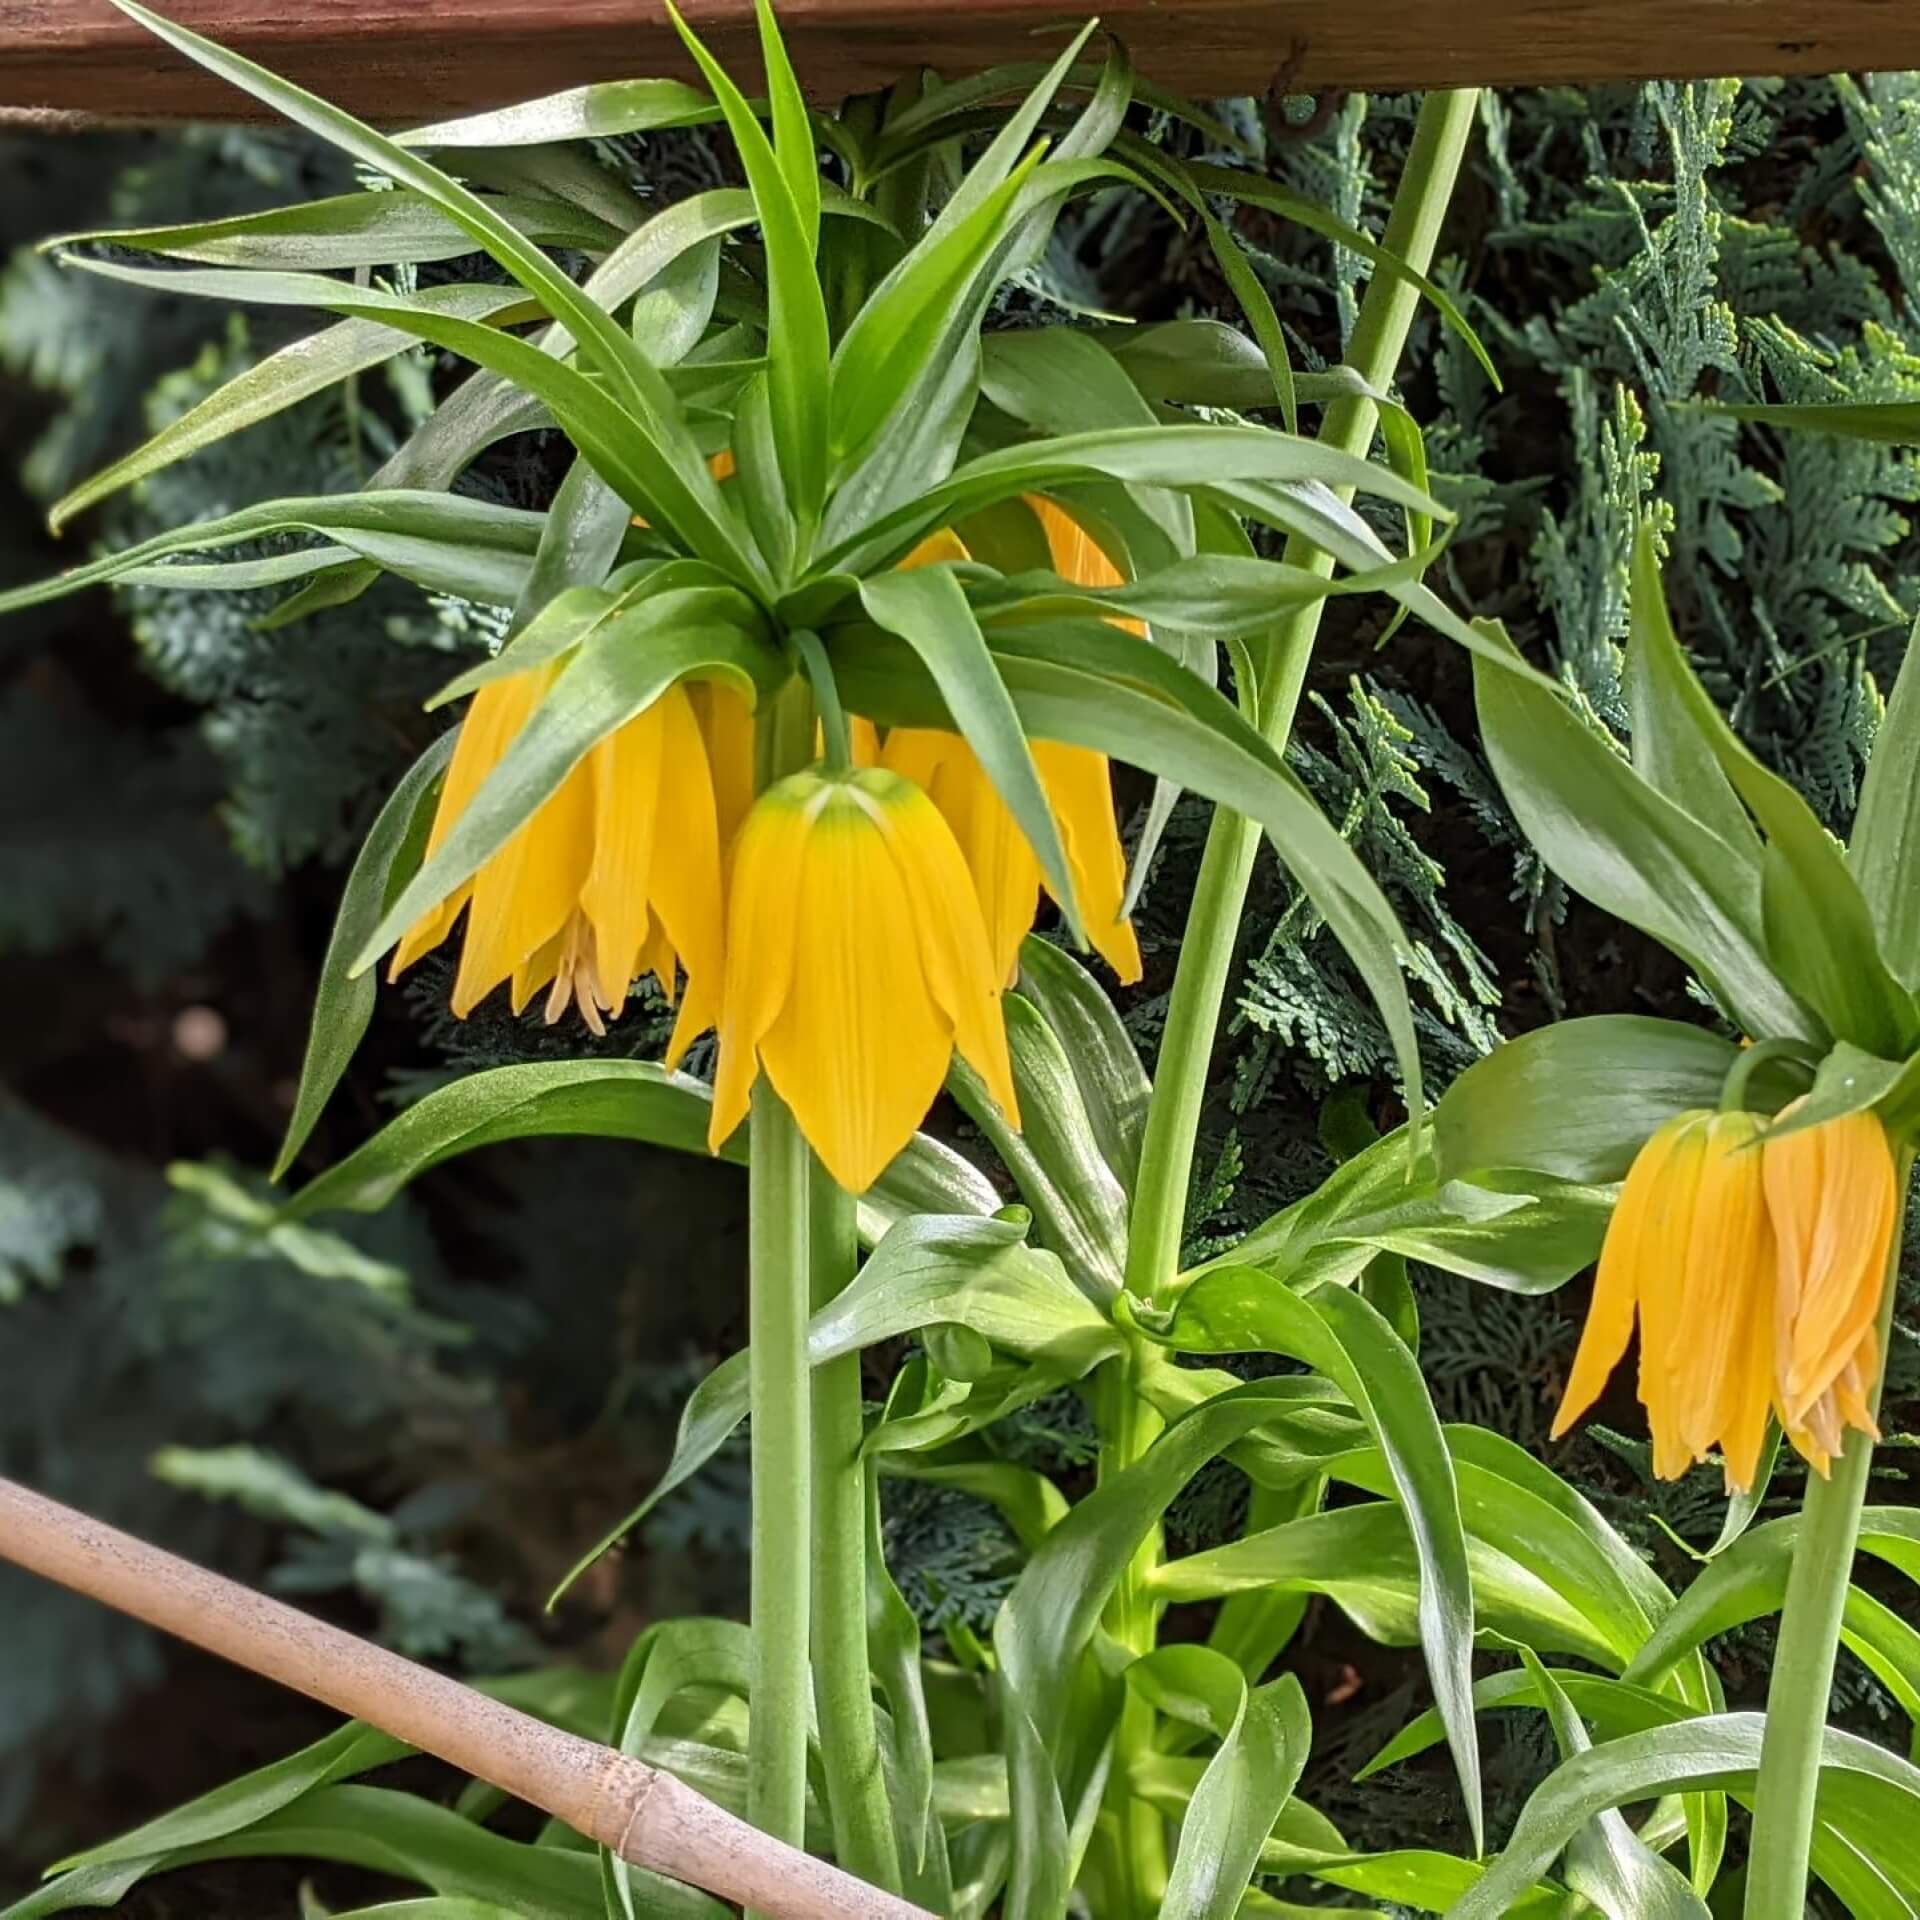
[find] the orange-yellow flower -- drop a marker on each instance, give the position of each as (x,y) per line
(1755,1265)
(616,874)
(1076,780)
(857,964)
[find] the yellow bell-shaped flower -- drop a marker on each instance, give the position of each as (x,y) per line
(1076,780)
(1833,1194)
(1755,1265)
(616,874)
(857,964)
(1690,1249)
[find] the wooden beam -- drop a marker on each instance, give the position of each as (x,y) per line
(402,61)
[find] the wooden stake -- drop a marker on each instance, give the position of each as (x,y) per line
(646,1816)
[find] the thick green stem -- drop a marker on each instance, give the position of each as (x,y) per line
(779,1302)
(1207,952)
(863,1837)
(1799,1695)
(1213,922)
(777,1313)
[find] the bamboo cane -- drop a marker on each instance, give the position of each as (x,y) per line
(644,1815)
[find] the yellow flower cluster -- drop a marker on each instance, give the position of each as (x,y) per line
(845,932)
(1755,1258)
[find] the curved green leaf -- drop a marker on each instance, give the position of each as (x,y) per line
(602,111)
(1819,932)
(925,607)
(1264,1734)
(1630,850)
(396,228)
(1079,1207)
(1607,1861)
(1114,1088)
(342,1003)
(269,386)
(1868,1798)
(1577,1100)
(1241,1310)
(798,344)
(446,541)
(930,1270)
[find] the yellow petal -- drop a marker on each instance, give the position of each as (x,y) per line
(1079,788)
(1664,1234)
(526,893)
(1617,1281)
(726,724)
(625,769)
(685,881)
(859,1050)
(1832,1193)
(1728,1271)
(955,956)
(497,712)
(761,910)
(937,548)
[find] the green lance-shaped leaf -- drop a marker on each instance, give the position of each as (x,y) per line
(1047,1623)
(1527,1233)
(1607,1861)
(929,1270)
(1264,1734)
(1578,1099)
(1114,1088)
(798,344)
(396,228)
(1884,852)
(926,608)
(1079,1206)
(1818,929)
(1868,1804)
(639,389)
(1183,457)
(1748,1580)
(1612,1707)
(445,542)
(602,111)
(885,356)
(1894,423)
(617,672)
(1241,1310)
(893,1645)
(1193,179)
(281,380)
(715,1655)
(1120,695)
(1631,850)
(388,1832)
(1257,304)
(343,1006)
(612,1100)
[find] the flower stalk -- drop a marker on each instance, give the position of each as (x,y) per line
(1128,1426)
(779,1304)
(863,1836)
(1800,1694)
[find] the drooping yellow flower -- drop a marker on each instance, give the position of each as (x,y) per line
(1076,780)
(1755,1266)
(857,964)
(616,874)
(1833,1193)
(1690,1248)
